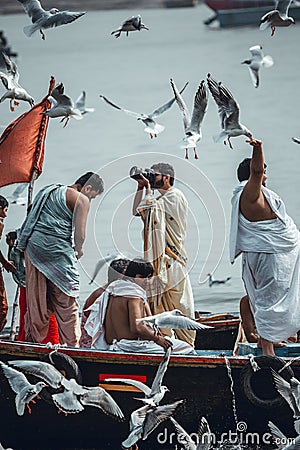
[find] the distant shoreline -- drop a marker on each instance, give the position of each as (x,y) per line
(13,7)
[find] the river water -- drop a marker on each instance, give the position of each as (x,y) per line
(134,72)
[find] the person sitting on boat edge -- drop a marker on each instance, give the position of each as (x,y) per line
(112,322)
(115,271)
(270,242)
(58,214)
(165,224)
(6,264)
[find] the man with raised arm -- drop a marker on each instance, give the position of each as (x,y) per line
(165,223)
(57,217)
(269,240)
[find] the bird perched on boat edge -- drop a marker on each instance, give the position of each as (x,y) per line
(25,391)
(134,23)
(278,17)
(152,127)
(63,106)
(11,83)
(257,61)
(43,19)
(228,110)
(192,124)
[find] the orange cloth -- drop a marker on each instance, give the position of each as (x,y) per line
(3,303)
(22,144)
(52,335)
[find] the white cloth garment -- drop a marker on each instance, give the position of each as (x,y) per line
(95,323)
(271,266)
(144,346)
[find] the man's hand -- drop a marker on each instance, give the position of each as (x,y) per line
(143,182)
(163,342)
(254,142)
(78,253)
(9,266)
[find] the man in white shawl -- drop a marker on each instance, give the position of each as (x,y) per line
(112,322)
(165,222)
(269,240)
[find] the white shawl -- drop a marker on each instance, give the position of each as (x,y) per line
(95,323)
(268,236)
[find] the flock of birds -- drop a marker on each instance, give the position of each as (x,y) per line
(63,106)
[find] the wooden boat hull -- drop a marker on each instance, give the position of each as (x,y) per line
(202,381)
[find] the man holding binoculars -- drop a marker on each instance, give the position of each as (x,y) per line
(165,221)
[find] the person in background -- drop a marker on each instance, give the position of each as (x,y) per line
(58,215)
(165,223)
(6,264)
(269,242)
(115,271)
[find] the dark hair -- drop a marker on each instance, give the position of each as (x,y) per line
(3,202)
(243,170)
(93,179)
(139,266)
(116,268)
(165,169)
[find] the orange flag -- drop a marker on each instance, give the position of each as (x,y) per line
(22,144)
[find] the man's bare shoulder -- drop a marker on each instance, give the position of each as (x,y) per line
(73,196)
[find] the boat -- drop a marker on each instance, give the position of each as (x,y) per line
(213,384)
(222,335)
(231,13)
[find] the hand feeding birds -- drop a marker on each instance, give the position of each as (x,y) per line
(11,83)
(152,127)
(228,110)
(134,23)
(257,61)
(43,19)
(63,106)
(71,397)
(278,17)
(192,125)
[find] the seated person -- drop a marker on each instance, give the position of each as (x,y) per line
(116,270)
(112,322)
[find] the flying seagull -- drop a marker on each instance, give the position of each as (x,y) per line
(43,19)
(174,319)
(106,260)
(25,391)
(152,127)
(74,397)
(282,442)
(278,17)
(290,391)
(228,111)
(257,61)
(211,281)
(204,436)
(155,394)
(63,106)
(16,196)
(296,140)
(80,104)
(192,125)
(11,83)
(134,23)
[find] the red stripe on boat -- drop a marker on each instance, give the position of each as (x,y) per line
(103,376)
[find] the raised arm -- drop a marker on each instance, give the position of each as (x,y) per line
(136,311)
(141,184)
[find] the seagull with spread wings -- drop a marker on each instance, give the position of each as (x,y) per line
(257,61)
(229,112)
(204,436)
(278,17)
(134,23)
(26,392)
(43,19)
(10,81)
(74,396)
(80,104)
(63,106)
(192,124)
(174,319)
(152,127)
